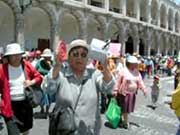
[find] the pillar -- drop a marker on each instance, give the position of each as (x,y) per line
(20,31)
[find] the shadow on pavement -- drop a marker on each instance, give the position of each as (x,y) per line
(134,124)
(108,124)
(152,107)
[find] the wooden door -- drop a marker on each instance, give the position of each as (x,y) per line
(43,44)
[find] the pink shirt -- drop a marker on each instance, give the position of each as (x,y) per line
(129,81)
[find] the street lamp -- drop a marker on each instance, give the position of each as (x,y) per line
(24,5)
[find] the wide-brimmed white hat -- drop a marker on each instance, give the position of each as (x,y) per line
(76,43)
(46,53)
(132,59)
(12,49)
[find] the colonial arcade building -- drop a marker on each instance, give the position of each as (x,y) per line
(147,27)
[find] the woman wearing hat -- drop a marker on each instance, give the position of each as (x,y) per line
(77,87)
(15,77)
(43,66)
(128,82)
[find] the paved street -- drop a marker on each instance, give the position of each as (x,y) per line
(144,121)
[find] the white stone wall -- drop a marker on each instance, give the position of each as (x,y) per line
(155,22)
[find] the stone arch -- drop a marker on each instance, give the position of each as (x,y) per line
(49,10)
(103,29)
(70,27)
(154,11)
(94,28)
(130,8)
(163,16)
(170,19)
(8,13)
(37,28)
(177,21)
(143,10)
(114,31)
(12,4)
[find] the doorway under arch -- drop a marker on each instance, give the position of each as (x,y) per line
(141,47)
(129,45)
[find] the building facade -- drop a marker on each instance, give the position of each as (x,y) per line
(147,27)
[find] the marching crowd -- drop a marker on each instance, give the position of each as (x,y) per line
(76,84)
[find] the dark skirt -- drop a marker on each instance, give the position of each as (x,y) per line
(127,103)
(23,111)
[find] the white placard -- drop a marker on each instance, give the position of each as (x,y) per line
(96,52)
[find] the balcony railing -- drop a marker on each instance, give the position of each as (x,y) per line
(116,10)
(163,26)
(96,3)
(143,19)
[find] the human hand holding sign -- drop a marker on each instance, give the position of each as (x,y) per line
(60,57)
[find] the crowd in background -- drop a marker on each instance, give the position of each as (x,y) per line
(147,66)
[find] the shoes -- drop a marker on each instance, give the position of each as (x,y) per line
(124,125)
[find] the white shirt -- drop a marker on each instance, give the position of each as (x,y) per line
(16,80)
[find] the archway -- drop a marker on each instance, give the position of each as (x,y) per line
(141,47)
(163,16)
(154,10)
(170,19)
(129,45)
(177,22)
(69,29)
(143,10)
(130,8)
(7,23)
(37,29)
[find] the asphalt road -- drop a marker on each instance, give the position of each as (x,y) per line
(143,121)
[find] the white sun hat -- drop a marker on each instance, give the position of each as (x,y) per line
(47,53)
(78,43)
(132,59)
(12,49)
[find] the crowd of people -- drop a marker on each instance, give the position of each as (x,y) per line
(77,84)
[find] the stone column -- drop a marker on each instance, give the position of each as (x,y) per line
(148,12)
(85,2)
(158,19)
(148,47)
(55,36)
(107,5)
(137,9)
(106,34)
(20,31)
(136,44)
(159,45)
(123,7)
(173,23)
(83,28)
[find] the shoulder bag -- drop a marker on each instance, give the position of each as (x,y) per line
(62,120)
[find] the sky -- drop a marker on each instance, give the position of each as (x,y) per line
(177,1)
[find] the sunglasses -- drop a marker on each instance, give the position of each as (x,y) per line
(77,54)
